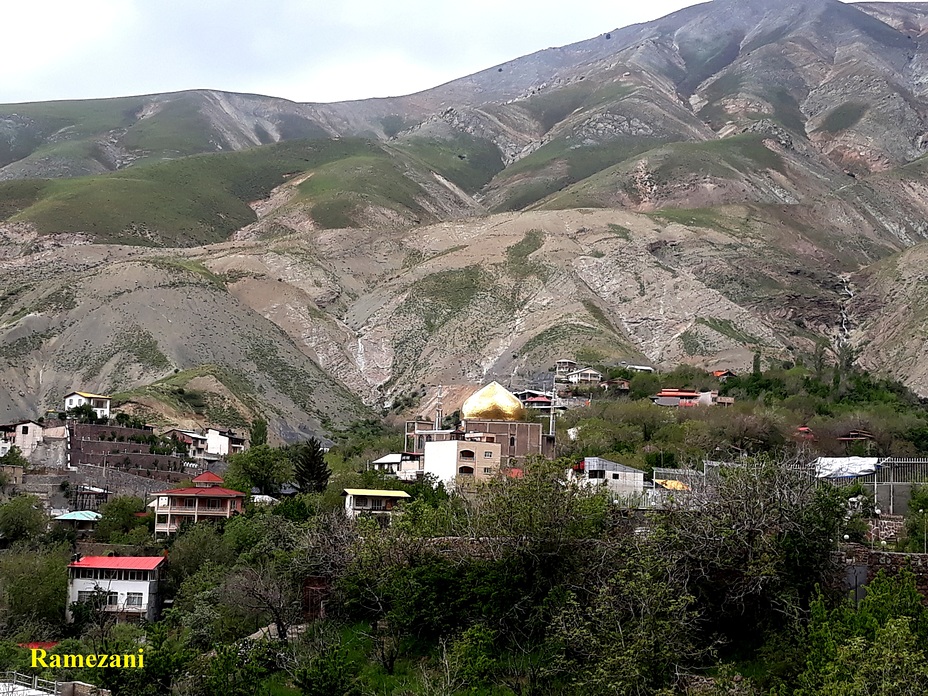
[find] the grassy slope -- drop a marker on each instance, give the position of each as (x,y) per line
(195,200)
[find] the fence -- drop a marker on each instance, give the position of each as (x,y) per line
(15,682)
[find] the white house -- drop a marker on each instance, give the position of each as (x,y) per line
(462,460)
(367,501)
(623,481)
(99,403)
(223,442)
(388,463)
(564,366)
(639,368)
(585,376)
(132,584)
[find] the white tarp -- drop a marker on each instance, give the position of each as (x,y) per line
(844,467)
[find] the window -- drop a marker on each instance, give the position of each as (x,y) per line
(487,454)
(134,599)
(83,596)
(25,430)
(214,504)
(487,470)
(615,476)
(467,454)
(112,599)
(512,441)
(360,501)
(162,519)
(596,474)
(466,470)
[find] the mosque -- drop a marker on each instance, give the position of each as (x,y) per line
(490,437)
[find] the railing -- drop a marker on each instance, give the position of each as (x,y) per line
(15,680)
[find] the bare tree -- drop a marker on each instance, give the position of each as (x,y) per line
(268,588)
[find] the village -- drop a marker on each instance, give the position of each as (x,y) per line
(77,459)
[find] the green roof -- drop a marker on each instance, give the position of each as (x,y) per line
(375,493)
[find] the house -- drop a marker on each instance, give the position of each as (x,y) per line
(388,463)
(411,466)
(26,435)
(223,442)
(84,522)
(380,503)
(621,480)
(722,375)
(619,385)
(12,474)
(683,398)
(563,367)
(132,585)
(195,442)
(206,499)
(587,375)
(639,368)
(99,403)
(463,459)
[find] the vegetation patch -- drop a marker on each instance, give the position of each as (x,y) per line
(844,117)
(728,328)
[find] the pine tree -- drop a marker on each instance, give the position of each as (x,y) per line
(310,471)
(257,433)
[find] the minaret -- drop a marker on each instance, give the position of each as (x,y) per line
(439,414)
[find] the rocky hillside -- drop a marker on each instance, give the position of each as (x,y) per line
(741,175)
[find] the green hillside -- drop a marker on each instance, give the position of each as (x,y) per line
(186,202)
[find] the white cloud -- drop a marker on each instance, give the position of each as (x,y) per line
(305,50)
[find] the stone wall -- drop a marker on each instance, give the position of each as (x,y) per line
(863,563)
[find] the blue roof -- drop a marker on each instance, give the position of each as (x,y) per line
(80,516)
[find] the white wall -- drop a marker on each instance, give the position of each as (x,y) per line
(441,460)
(216,443)
(122,587)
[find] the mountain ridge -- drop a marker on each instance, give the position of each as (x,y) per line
(694,189)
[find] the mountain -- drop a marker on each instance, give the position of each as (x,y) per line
(739,176)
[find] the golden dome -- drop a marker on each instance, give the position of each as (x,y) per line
(492,402)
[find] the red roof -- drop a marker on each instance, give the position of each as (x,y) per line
(119,562)
(39,645)
(538,398)
(208,477)
(678,392)
(210,491)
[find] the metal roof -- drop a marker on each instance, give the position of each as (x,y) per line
(373,493)
(80,516)
(119,562)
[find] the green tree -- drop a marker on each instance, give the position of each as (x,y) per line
(258,433)
(119,518)
(14,458)
(263,467)
(310,471)
(22,518)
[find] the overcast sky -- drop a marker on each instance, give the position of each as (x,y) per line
(304,50)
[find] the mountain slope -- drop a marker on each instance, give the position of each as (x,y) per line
(741,176)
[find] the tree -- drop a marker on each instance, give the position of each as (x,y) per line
(262,467)
(22,518)
(310,471)
(119,518)
(754,541)
(269,589)
(14,458)
(258,432)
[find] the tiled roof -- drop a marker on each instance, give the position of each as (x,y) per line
(119,562)
(207,477)
(210,492)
